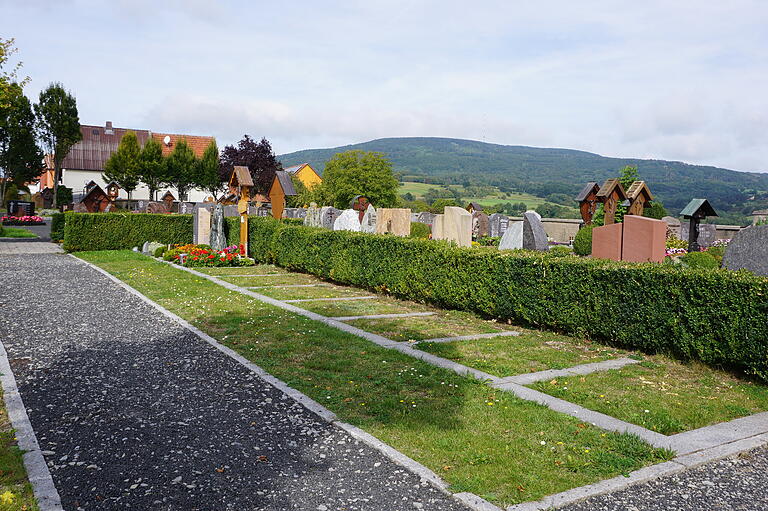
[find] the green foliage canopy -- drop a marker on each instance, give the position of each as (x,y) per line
(181,164)
(152,166)
(354,173)
(124,164)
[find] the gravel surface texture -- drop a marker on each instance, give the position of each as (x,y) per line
(134,412)
(736,483)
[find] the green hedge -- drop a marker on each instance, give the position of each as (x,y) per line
(716,316)
(115,231)
(57,226)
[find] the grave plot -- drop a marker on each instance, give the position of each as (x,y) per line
(662,394)
(252,280)
(363,307)
(531,351)
(438,325)
(259,269)
(308,291)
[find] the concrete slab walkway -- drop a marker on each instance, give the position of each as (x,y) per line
(132,411)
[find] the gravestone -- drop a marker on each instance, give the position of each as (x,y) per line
(513,236)
(21,208)
(156,208)
(606,242)
(347,221)
(150,247)
(425,217)
(395,221)
(457,226)
(202,226)
(480,225)
(186,208)
(534,236)
(328,215)
(673,226)
(748,250)
(497,225)
(369,220)
(707,234)
(312,217)
(414,217)
(230,211)
(294,213)
(218,238)
(438,232)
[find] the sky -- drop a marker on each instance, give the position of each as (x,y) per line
(683,80)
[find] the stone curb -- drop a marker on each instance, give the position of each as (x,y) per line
(310,404)
(508,333)
(581,369)
(39,476)
(297,300)
(385,316)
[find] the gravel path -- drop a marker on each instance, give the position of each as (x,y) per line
(134,412)
(737,483)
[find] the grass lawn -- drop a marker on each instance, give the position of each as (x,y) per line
(663,395)
(17,232)
(279,279)
(444,323)
(15,491)
(522,452)
(380,305)
(259,269)
(318,291)
(533,350)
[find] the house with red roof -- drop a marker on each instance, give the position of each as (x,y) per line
(85,161)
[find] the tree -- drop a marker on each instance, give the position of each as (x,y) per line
(259,159)
(123,166)
(152,166)
(180,168)
(207,175)
(21,160)
(59,127)
(360,173)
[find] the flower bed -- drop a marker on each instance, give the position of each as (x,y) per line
(22,220)
(202,255)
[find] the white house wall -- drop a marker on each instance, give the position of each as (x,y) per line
(77,179)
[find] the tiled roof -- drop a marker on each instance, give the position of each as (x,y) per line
(196,143)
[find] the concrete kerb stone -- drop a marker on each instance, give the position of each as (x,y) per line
(720,434)
(39,476)
(330,299)
(384,316)
(476,502)
(281,286)
(527,378)
(306,401)
(244,275)
(470,337)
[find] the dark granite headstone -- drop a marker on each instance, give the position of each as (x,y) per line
(157,208)
(534,236)
(497,225)
(21,208)
(707,234)
(218,238)
(748,250)
(425,217)
(480,226)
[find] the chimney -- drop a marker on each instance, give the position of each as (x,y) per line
(108,130)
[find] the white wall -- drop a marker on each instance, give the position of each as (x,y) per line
(77,179)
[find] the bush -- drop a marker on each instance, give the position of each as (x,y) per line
(717,251)
(703,260)
(675,242)
(419,230)
(489,241)
(63,195)
(559,251)
(2,230)
(57,227)
(159,251)
(115,231)
(715,316)
(582,243)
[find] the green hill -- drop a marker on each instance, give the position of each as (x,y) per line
(543,171)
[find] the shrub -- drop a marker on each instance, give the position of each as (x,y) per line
(582,243)
(675,242)
(57,227)
(715,316)
(63,195)
(559,251)
(419,230)
(489,241)
(2,230)
(703,260)
(115,231)
(159,251)
(717,251)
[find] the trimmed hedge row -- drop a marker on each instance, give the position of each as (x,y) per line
(115,231)
(58,220)
(715,316)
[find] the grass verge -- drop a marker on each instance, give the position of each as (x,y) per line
(442,324)
(15,491)
(532,350)
(521,452)
(663,395)
(15,232)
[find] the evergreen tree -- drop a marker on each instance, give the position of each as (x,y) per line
(21,160)
(123,166)
(207,176)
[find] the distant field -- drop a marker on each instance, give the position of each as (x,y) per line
(419,189)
